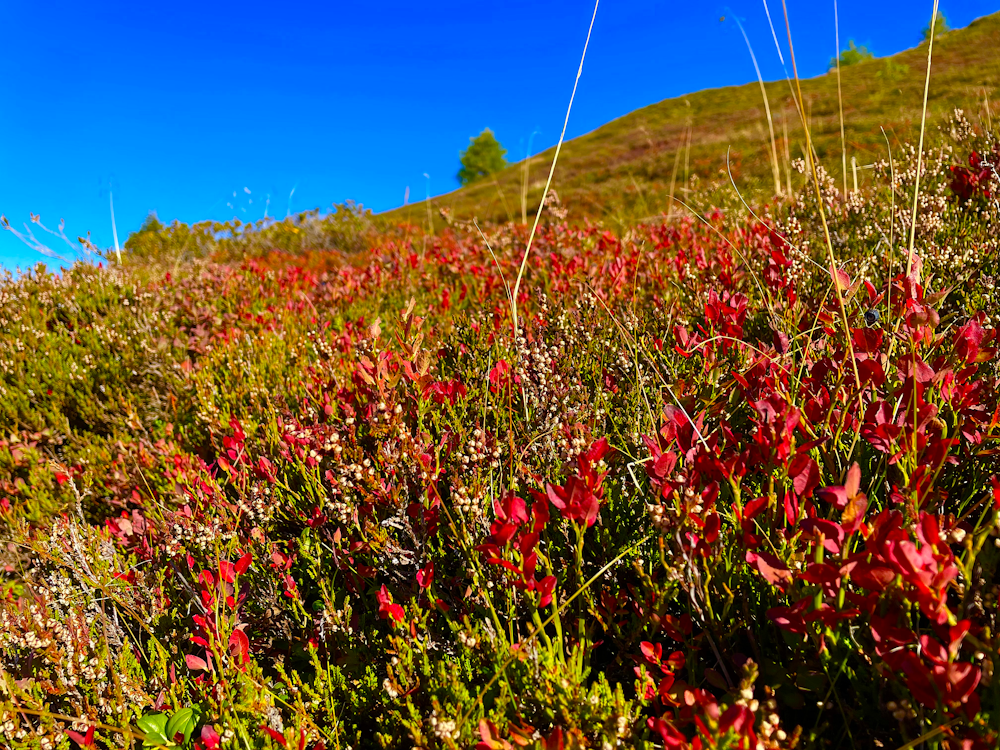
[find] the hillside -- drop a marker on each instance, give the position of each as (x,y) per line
(330,482)
(625,168)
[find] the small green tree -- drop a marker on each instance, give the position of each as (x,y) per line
(852,56)
(940,24)
(483,157)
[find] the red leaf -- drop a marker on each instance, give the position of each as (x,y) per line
(276,736)
(836,496)
(773,570)
(545,588)
(554,741)
(386,608)
(833,534)
(210,738)
(195,663)
(853,483)
(425,575)
(227,571)
(804,473)
(243,564)
(653,652)
(712,525)
(239,645)
(80,740)
(754,507)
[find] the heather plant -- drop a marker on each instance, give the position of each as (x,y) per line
(305,484)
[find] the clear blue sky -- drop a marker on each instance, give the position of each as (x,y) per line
(177,106)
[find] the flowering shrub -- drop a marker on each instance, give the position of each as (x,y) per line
(712,493)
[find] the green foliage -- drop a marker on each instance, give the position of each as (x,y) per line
(940,24)
(852,56)
(893,71)
(483,157)
(350,229)
(310,498)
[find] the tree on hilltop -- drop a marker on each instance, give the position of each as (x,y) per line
(940,24)
(852,56)
(483,157)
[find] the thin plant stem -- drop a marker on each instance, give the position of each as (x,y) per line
(775,170)
(552,169)
(840,98)
(673,180)
(114,229)
(822,211)
(892,227)
(687,157)
(920,146)
(503,200)
(788,158)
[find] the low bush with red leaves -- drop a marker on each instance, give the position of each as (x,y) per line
(712,492)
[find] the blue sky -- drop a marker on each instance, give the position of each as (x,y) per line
(178,106)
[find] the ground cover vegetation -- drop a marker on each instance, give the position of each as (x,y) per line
(312,484)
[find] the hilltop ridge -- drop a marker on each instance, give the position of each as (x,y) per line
(628,165)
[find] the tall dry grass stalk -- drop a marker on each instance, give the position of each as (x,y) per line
(430,217)
(920,145)
(673,178)
(840,102)
(552,169)
(524,178)
(892,224)
(687,156)
(811,162)
(775,169)
(786,149)
(503,200)
(114,228)
(524,190)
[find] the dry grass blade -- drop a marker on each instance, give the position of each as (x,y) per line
(496,262)
(920,145)
(892,224)
(552,169)
(840,99)
(114,229)
(775,170)
(928,735)
(811,160)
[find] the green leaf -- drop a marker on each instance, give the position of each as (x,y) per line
(182,722)
(154,726)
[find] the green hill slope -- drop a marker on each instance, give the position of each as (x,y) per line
(627,166)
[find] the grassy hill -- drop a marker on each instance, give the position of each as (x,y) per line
(626,168)
(312,484)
